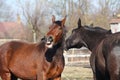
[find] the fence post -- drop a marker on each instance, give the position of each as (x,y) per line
(72,54)
(66,57)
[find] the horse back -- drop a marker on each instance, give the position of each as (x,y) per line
(15,47)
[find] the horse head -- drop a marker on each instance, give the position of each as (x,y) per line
(55,33)
(75,39)
(86,36)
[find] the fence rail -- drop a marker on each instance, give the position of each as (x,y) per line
(74,59)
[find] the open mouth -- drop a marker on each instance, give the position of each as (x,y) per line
(49,44)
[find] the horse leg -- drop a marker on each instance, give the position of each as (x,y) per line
(41,76)
(6,76)
(92,64)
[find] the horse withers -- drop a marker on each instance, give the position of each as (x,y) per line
(38,61)
(89,37)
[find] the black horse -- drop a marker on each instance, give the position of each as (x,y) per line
(109,49)
(89,37)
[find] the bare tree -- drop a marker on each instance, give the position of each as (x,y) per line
(78,9)
(34,14)
(114,6)
(5,11)
(39,12)
(104,12)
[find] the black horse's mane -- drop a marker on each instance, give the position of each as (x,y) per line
(99,29)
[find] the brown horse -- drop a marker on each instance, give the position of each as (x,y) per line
(89,37)
(40,61)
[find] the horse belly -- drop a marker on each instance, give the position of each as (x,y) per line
(23,69)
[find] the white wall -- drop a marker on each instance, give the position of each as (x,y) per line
(115,27)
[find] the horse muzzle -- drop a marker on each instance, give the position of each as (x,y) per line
(49,41)
(66,45)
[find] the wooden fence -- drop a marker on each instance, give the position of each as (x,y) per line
(69,59)
(77,56)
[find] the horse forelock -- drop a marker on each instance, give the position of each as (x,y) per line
(58,23)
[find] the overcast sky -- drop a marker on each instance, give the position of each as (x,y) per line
(16,6)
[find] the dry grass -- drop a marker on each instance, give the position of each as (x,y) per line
(77,73)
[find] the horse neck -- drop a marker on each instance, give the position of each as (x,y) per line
(93,40)
(60,45)
(41,46)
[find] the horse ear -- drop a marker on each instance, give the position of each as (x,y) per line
(79,23)
(53,18)
(63,21)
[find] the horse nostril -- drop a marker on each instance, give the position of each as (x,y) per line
(50,38)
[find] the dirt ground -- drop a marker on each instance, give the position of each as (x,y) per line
(77,73)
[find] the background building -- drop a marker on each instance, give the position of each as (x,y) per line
(115,24)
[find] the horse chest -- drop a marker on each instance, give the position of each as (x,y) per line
(55,67)
(55,71)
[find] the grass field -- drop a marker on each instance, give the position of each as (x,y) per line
(77,73)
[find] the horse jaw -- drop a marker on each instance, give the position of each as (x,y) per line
(49,45)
